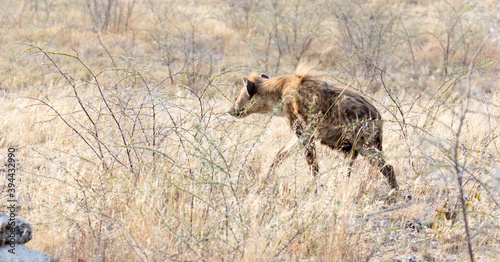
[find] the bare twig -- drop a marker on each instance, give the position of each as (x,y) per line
(459,173)
(105,48)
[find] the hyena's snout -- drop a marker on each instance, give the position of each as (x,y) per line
(237,112)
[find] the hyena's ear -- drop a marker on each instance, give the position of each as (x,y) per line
(251,89)
(264,76)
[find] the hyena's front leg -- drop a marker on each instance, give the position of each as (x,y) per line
(308,141)
(312,160)
(352,157)
(310,151)
(280,156)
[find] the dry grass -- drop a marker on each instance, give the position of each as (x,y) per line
(121,162)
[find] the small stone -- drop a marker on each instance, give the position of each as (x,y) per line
(415,224)
(406,258)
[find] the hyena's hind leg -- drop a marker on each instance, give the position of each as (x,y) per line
(349,153)
(377,160)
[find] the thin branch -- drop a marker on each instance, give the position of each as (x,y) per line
(457,142)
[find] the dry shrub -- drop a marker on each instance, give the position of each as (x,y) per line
(127,154)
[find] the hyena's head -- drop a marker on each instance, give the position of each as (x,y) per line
(251,98)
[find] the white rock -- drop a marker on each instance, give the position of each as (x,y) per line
(14,230)
(22,254)
(14,233)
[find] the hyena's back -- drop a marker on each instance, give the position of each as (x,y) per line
(339,118)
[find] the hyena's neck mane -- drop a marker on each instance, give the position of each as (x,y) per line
(270,88)
(278,85)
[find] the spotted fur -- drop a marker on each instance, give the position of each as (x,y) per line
(337,117)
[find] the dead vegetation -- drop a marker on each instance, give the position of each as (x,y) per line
(118,113)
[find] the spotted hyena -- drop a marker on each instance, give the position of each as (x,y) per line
(337,117)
